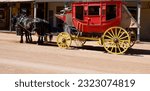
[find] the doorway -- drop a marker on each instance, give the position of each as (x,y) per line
(4,16)
(40,11)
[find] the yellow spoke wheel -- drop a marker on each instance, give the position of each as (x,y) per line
(133,38)
(64,40)
(116,40)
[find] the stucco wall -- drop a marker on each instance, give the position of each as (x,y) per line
(53,6)
(145,24)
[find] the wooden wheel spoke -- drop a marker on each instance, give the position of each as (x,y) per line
(61,45)
(108,36)
(119,32)
(109,44)
(59,42)
(119,48)
(116,35)
(112,49)
(112,32)
(124,41)
(113,46)
(65,45)
(124,37)
(68,42)
(68,39)
(107,39)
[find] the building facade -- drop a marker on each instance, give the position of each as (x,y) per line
(46,9)
(4,16)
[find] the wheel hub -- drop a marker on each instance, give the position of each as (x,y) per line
(64,40)
(116,40)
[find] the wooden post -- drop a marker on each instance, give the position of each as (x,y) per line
(138,20)
(35,9)
(35,12)
(10,16)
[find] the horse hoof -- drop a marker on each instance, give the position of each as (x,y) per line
(30,41)
(40,43)
(21,41)
(27,41)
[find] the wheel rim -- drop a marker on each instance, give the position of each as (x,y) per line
(133,38)
(116,40)
(64,40)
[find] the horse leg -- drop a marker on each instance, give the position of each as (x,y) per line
(27,37)
(38,40)
(30,38)
(45,38)
(50,37)
(42,40)
(21,38)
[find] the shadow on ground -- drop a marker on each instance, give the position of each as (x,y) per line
(131,51)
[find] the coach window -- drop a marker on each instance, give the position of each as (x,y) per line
(110,12)
(79,12)
(94,10)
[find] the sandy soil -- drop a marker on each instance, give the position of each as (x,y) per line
(32,58)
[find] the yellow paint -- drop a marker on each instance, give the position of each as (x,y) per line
(116,40)
(64,40)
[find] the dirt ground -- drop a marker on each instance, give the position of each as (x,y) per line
(92,58)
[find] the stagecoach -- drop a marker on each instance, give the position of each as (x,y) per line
(108,22)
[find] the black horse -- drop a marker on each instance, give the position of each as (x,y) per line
(23,26)
(43,29)
(26,25)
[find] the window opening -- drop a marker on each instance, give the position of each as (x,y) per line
(79,12)
(110,12)
(94,10)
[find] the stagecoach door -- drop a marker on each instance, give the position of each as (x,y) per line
(94,15)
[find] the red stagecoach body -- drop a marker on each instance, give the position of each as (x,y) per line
(105,21)
(97,17)
(95,21)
